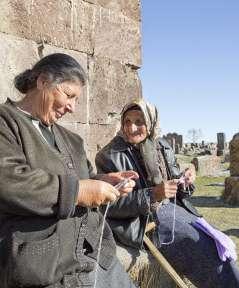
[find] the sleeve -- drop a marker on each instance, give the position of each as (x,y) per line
(181,192)
(26,191)
(136,203)
(185,193)
(91,170)
(176,174)
(174,169)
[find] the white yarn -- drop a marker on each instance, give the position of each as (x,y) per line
(181,181)
(100,244)
(119,185)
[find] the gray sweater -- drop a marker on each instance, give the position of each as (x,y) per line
(43,235)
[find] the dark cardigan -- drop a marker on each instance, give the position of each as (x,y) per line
(43,235)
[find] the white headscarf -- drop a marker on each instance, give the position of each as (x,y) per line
(150,114)
(148,147)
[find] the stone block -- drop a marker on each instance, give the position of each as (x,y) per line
(206,165)
(83,131)
(227,157)
(14,17)
(130,8)
(178,138)
(117,37)
(79,56)
(63,23)
(183,166)
(16,55)
(111,86)
(100,135)
(81,112)
(80,129)
(221,141)
(97,137)
(76,25)
(231,192)
(234,155)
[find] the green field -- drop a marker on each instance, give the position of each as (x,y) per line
(208,201)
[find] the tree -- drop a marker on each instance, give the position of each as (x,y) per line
(194,135)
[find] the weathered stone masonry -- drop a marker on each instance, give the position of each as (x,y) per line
(103,35)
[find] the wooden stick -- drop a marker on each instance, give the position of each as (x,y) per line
(150,226)
(161,259)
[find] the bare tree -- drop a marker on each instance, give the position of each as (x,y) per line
(194,135)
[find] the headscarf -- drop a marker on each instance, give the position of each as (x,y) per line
(148,148)
(150,114)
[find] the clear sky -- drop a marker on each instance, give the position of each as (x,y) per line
(190,64)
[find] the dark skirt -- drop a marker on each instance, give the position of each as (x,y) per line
(193,253)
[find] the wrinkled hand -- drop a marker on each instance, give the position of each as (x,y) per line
(93,193)
(189,176)
(115,178)
(165,190)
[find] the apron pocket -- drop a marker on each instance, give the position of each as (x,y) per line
(32,263)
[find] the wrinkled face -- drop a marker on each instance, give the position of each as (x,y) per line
(134,127)
(58,101)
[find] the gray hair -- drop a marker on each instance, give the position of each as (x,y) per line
(57,68)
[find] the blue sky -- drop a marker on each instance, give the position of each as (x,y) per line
(190,64)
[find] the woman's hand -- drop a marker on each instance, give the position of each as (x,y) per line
(165,190)
(115,178)
(189,176)
(93,193)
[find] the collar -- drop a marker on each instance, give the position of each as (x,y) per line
(27,114)
(118,144)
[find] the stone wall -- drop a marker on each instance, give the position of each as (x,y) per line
(231,193)
(175,140)
(206,165)
(103,35)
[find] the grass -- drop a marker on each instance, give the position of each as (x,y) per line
(207,199)
(184,158)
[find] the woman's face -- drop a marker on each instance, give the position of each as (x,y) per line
(59,100)
(134,127)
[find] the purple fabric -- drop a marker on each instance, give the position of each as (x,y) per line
(226,249)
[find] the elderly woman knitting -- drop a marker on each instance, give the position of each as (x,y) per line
(50,229)
(193,247)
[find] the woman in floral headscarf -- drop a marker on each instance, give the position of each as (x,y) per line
(161,193)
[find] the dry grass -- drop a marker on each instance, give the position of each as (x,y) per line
(209,202)
(184,158)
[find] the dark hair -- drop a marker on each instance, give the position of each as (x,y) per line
(56,67)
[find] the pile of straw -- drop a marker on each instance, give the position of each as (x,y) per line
(143,268)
